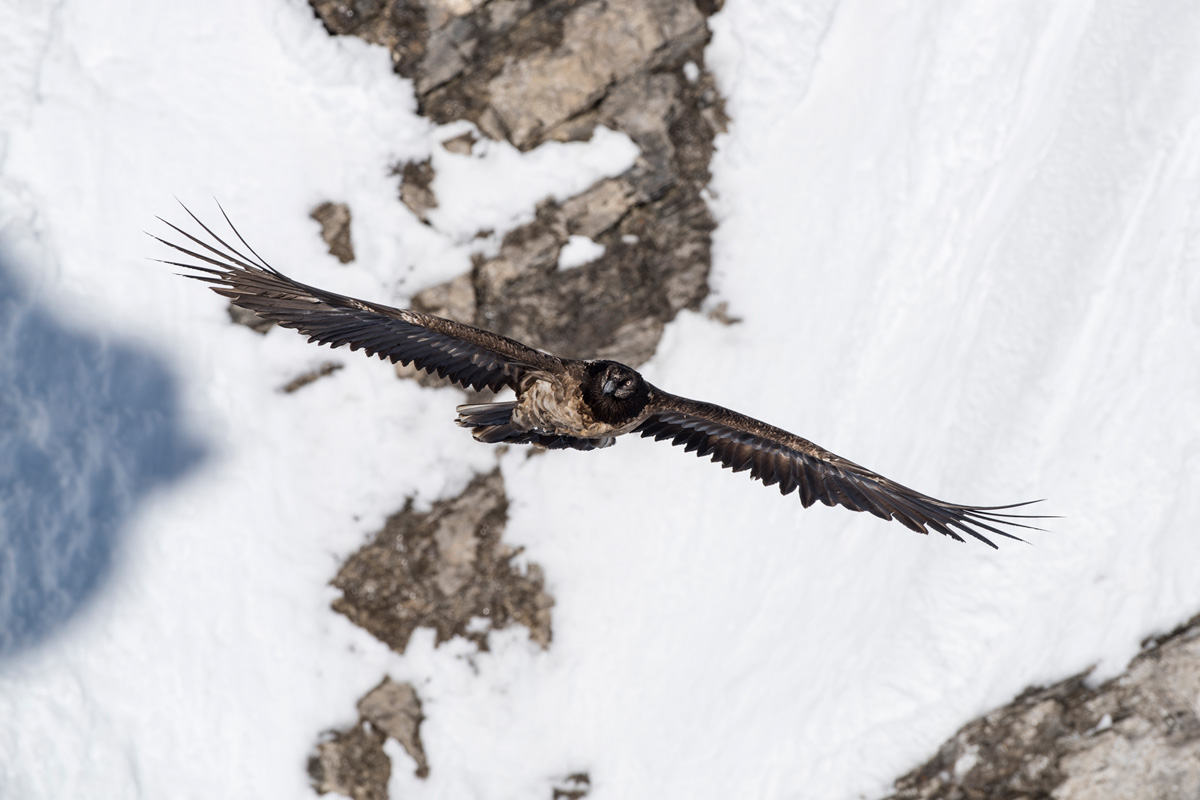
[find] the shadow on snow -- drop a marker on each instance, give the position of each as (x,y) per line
(87,427)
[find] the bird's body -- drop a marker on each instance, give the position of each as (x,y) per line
(549,405)
(552,403)
(573,404)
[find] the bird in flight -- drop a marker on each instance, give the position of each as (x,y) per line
(568,403)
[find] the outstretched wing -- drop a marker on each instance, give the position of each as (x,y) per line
(775,456)
(469,356)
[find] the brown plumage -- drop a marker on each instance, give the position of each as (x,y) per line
(567,403)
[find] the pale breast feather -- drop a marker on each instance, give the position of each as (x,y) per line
(551,404)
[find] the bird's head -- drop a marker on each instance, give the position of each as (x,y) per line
(619,381)
(614,392)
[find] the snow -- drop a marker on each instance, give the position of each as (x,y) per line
(497,187)
(579,250)
(964,241)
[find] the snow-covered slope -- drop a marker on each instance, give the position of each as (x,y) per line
(965,243)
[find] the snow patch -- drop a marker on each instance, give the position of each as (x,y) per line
(497,187)
(579,250)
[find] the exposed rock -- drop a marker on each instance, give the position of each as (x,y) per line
(243,316)
(352,763)
(335,229)
(416,187)
(530,72)
(398,25)
(720,313)
(300,381)
(395,709)
(461,145)
(541,95)
(573,787)
(1135,737)
(445,569)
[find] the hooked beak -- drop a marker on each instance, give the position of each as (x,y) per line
(610,385)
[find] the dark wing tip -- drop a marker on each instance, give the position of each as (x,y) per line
(776,457)
(469,356)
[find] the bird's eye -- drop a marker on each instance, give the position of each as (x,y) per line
(627,382)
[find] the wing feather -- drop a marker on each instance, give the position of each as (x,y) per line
(469,356)
(775,456)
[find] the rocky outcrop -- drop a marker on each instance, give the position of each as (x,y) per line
(335,229)
(573,787)
(352,762)
(395,709)
(297,383)
(416,187)
(531,72)
(445,569)
(1135,737)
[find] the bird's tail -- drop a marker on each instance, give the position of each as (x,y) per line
(492,423)
(489,422)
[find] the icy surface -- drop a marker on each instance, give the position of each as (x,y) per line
(965,243)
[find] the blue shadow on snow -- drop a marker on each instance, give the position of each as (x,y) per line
(88,426)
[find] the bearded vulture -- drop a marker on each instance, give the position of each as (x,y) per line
(568,403)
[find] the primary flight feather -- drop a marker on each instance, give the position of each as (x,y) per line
(569,403)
